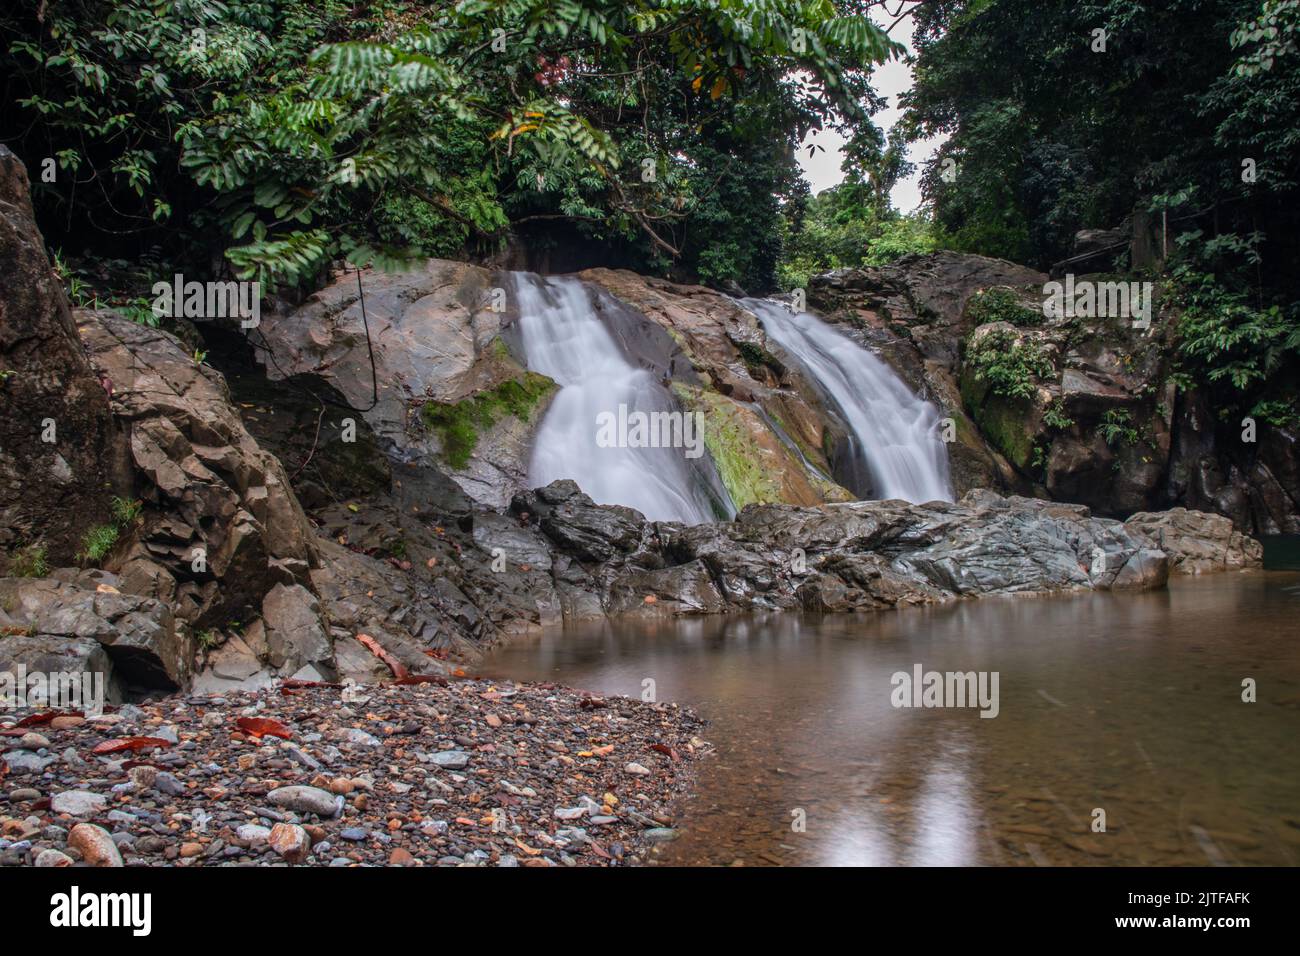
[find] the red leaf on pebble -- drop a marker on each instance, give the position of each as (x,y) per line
(666,751)
(264,727)
(45,716)
(119,744)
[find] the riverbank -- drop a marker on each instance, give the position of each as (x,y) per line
(457,773)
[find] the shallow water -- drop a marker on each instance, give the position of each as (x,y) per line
(1130,703)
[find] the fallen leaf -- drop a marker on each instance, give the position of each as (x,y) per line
(118,744)
(45,716)
(295,683)
(666,751)
(394,665)
(264,727)
(421,679)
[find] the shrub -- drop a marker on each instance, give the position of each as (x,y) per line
(125,511)
(1054,416)
(1000,304)
(29,562)
(1117,428)
(1010,366)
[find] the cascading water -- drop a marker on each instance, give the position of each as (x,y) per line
(895,434)
(564,338)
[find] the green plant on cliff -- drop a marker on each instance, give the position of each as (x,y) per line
(125,511)
(29,562)
(1011,366)
(1117,428)
(1054,416)
(1000,304)
(97,543)
(458,425)
(1223,338)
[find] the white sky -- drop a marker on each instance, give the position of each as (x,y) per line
(822,170)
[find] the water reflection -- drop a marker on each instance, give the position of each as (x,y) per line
(1125,703)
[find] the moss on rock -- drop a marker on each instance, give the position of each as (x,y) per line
(746,468)
(458,425)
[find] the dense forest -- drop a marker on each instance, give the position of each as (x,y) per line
(266,138)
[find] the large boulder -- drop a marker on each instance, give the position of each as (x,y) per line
(138,634)
(860,555)
(419,361)
(61,455)
(220,526)
(1197,542)
(23,655)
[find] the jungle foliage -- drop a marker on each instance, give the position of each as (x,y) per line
(275,135)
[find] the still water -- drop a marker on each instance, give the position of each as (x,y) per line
(1127,703)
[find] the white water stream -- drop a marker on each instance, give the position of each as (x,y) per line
(564,338)
(896,435)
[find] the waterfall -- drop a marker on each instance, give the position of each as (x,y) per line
(895,434)
(564,338)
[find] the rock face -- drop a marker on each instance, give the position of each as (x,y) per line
(138,634)
(436,342)
(59,447)
(220,525)
(441,353)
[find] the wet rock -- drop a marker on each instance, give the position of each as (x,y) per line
(1197,542)
(290,841)
(78,803)
(95,845)
(306,800)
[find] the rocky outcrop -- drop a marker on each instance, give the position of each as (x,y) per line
(138,634)
(413,361)
(1197,542)
(61,456)
(444,346)
(219,526)
(855,555)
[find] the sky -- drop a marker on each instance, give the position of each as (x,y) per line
(822,170)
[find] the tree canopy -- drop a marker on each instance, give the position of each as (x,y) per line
(279,134)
